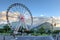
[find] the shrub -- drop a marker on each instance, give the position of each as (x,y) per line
(56,31)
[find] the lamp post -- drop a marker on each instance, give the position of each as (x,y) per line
(52,24)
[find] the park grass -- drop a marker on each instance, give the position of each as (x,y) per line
(38,34)
(32,34)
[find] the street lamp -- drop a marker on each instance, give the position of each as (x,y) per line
(52,23)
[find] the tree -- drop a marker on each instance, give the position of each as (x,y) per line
(41,30)
(6,28)
(1,30)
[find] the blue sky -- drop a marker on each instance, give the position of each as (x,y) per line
(37,7)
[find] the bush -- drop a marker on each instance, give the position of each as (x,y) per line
(41,30)
(6,28)
(48,32)
(56,31)
(1,30)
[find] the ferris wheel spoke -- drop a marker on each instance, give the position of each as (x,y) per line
(21,9)
(16,13)
(12,16)
(16,8)
(13,10)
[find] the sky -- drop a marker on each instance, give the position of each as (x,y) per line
(37,7)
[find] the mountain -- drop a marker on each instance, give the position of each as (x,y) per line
(47,22)
(46,26)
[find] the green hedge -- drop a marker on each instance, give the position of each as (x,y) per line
(56,31)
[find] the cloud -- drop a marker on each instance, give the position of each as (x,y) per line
(11,16)
(41,15)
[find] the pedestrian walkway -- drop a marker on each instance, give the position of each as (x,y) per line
(35,38)
(27,38)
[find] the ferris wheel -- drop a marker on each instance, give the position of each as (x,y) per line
(18,15)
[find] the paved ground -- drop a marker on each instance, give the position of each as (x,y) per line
(35,38)
(27,38)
